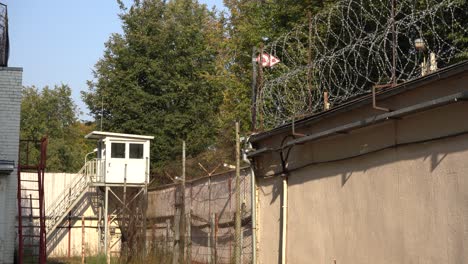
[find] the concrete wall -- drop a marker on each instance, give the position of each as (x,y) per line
(68,237)
(67,240)
(389,193)
(403,205)
(10,105)
(269,220)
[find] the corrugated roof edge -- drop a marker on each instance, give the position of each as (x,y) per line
(102,134)
(366,99)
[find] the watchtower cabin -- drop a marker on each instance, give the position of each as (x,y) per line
(120,159)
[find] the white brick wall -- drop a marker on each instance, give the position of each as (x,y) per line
(10,105)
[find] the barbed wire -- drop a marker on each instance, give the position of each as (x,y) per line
(4,41)
(347,49)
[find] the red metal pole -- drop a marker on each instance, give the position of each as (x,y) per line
(27,153)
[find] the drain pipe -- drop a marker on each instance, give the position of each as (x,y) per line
(284,207)
(253,203)
(284,201)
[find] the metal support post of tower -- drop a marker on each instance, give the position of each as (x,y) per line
(106,217)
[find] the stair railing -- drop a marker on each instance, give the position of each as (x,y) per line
(67,196)
(91,172)
(95,170)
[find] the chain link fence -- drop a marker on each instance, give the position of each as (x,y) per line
(210,210)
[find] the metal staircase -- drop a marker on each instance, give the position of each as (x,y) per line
(68,199)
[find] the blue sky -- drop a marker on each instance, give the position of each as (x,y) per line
(59,41)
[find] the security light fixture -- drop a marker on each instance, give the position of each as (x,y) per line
(87,154)
(419,44)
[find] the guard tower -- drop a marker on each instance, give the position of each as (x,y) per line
(118,177)
(121,159)
(121,172)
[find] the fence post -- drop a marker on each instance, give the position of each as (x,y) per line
(176,246)
(210,249)
(153,240)
(182,227)
(189,215)
(166,237)
(238,202)
(189,238)
(241,242)
(215,237)
(254,90)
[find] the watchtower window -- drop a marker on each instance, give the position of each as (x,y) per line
(118,150)
(136,151)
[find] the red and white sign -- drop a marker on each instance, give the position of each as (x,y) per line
(267,60)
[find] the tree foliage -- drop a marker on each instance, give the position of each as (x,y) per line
(51,112)
(253,24)
(155,78)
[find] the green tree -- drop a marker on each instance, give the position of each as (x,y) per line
(157,77)
(51,112)
(250,24)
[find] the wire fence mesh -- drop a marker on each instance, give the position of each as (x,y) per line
(210,209)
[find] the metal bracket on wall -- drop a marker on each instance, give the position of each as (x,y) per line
(374,100)
(294,133)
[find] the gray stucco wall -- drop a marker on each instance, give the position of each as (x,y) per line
(10,105)
(374,195)
(403,205)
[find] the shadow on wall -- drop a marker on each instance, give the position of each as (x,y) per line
(60,232)
(436,151)
(430,158)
